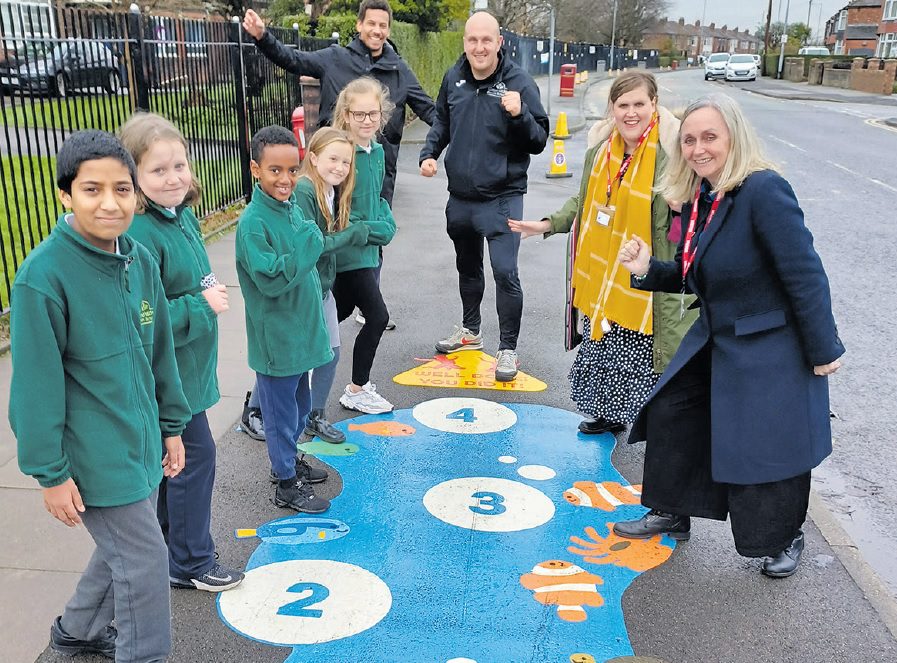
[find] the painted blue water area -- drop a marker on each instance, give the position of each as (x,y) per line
(456,593)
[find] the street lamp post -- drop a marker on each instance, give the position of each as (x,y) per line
(613,37)
(784,39)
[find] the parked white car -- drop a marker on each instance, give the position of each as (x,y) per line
(715,66)
(741,67)
(814,50)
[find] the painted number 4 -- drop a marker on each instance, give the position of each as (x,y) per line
(300,608)
(489,504)
(465,414)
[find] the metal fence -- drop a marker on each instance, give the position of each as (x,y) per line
(71,69)
(532,54)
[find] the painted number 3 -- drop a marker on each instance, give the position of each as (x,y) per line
(489,504)
(301,608)
(465,414)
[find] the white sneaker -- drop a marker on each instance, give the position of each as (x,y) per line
(461,338)
(367,400)
(506,365)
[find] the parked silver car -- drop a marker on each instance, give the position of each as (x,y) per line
(715,66)
(741,67)
(71,65)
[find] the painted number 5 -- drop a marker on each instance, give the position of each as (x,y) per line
(300,608)
(490,504)
(465,414)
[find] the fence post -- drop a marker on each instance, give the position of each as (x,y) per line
(243,129)
(139,88)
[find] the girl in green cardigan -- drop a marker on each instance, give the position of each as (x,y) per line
(166,226)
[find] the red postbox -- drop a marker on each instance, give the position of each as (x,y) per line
(298,120)
(568,79)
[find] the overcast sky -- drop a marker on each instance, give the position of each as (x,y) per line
(750,13)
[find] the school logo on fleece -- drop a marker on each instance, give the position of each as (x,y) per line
(146,313)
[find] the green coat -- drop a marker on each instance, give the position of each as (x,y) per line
(354,236)
(175,242)
(368,207)
(669,325)
(277,250)
(95,384)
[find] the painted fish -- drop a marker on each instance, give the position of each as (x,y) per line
(295,530)
(565,585)
(607,495)
(384,428)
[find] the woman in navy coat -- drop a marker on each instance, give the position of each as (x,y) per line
(741,415)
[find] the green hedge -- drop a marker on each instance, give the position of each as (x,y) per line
(429,54)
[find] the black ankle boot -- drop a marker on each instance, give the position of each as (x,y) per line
(317,426)
(654,522)
(786,562)
(597,426)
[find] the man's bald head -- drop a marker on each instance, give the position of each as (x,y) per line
(482,21)
(482,41)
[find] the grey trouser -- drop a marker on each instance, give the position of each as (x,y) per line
(126,579)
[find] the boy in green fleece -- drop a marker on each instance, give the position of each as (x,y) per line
(277,250)
(96,402)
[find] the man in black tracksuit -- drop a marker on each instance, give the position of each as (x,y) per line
(489,114)
(369,54)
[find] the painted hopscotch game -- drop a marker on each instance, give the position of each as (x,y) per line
(467,532)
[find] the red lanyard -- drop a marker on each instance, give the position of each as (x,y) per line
(628,160)
(688,253)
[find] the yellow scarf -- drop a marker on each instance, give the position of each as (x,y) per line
(601,284)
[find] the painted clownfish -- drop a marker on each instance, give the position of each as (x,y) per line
(606,496)
(565,585)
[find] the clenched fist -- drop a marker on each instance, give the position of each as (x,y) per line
(511,103)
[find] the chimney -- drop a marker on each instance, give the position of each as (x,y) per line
(697,24)
(681,21)
(713,26)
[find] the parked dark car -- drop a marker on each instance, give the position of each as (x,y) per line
(71,65)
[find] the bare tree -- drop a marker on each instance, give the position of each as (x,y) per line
(592,20)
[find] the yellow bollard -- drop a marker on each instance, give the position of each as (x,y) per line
(560,127)
(558,162)
(585,76)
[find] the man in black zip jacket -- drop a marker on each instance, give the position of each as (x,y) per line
(489,115)
(368,54)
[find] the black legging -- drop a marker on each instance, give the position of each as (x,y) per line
(359,288)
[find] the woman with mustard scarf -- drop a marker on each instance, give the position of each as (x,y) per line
(628,336)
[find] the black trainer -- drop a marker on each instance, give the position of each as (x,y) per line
(317,426)
(253,425)
(304,472)
(654,522)
(217,579)
(299,496)
(786,562)
(63,643)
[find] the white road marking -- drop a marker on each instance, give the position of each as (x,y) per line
(880,183)
(785,142)
(844,168)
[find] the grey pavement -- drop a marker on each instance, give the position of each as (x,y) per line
(705,605)
(781,89)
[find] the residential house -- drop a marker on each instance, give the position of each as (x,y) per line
(855,28)
(692,40)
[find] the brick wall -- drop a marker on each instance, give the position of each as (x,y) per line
(793,70)
(872,79)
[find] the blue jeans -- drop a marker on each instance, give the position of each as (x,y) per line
(126,580)
(285,402)
(185,504)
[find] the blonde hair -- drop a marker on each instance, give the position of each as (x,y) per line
(745,156)
(139,134)
(321,139)
(356,88)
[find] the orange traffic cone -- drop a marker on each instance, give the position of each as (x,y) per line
(560,128)
(558,162)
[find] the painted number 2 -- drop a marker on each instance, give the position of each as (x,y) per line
(301,608)
(465,414)
(490,504)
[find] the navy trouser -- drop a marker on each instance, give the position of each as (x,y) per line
(125,580)
(359,287)
(185,504)
(286,402)
(468,223)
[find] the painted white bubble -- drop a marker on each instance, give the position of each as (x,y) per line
(302,602)
(507,459)
(460,660)
(468,416)
(536,472)
(489,504)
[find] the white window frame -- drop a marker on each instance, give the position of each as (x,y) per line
(839,47)
(842,20)
(890,10)
(887,45)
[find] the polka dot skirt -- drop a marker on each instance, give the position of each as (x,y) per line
(612,378)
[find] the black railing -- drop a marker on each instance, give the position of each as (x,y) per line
(70,69)
(532,53)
